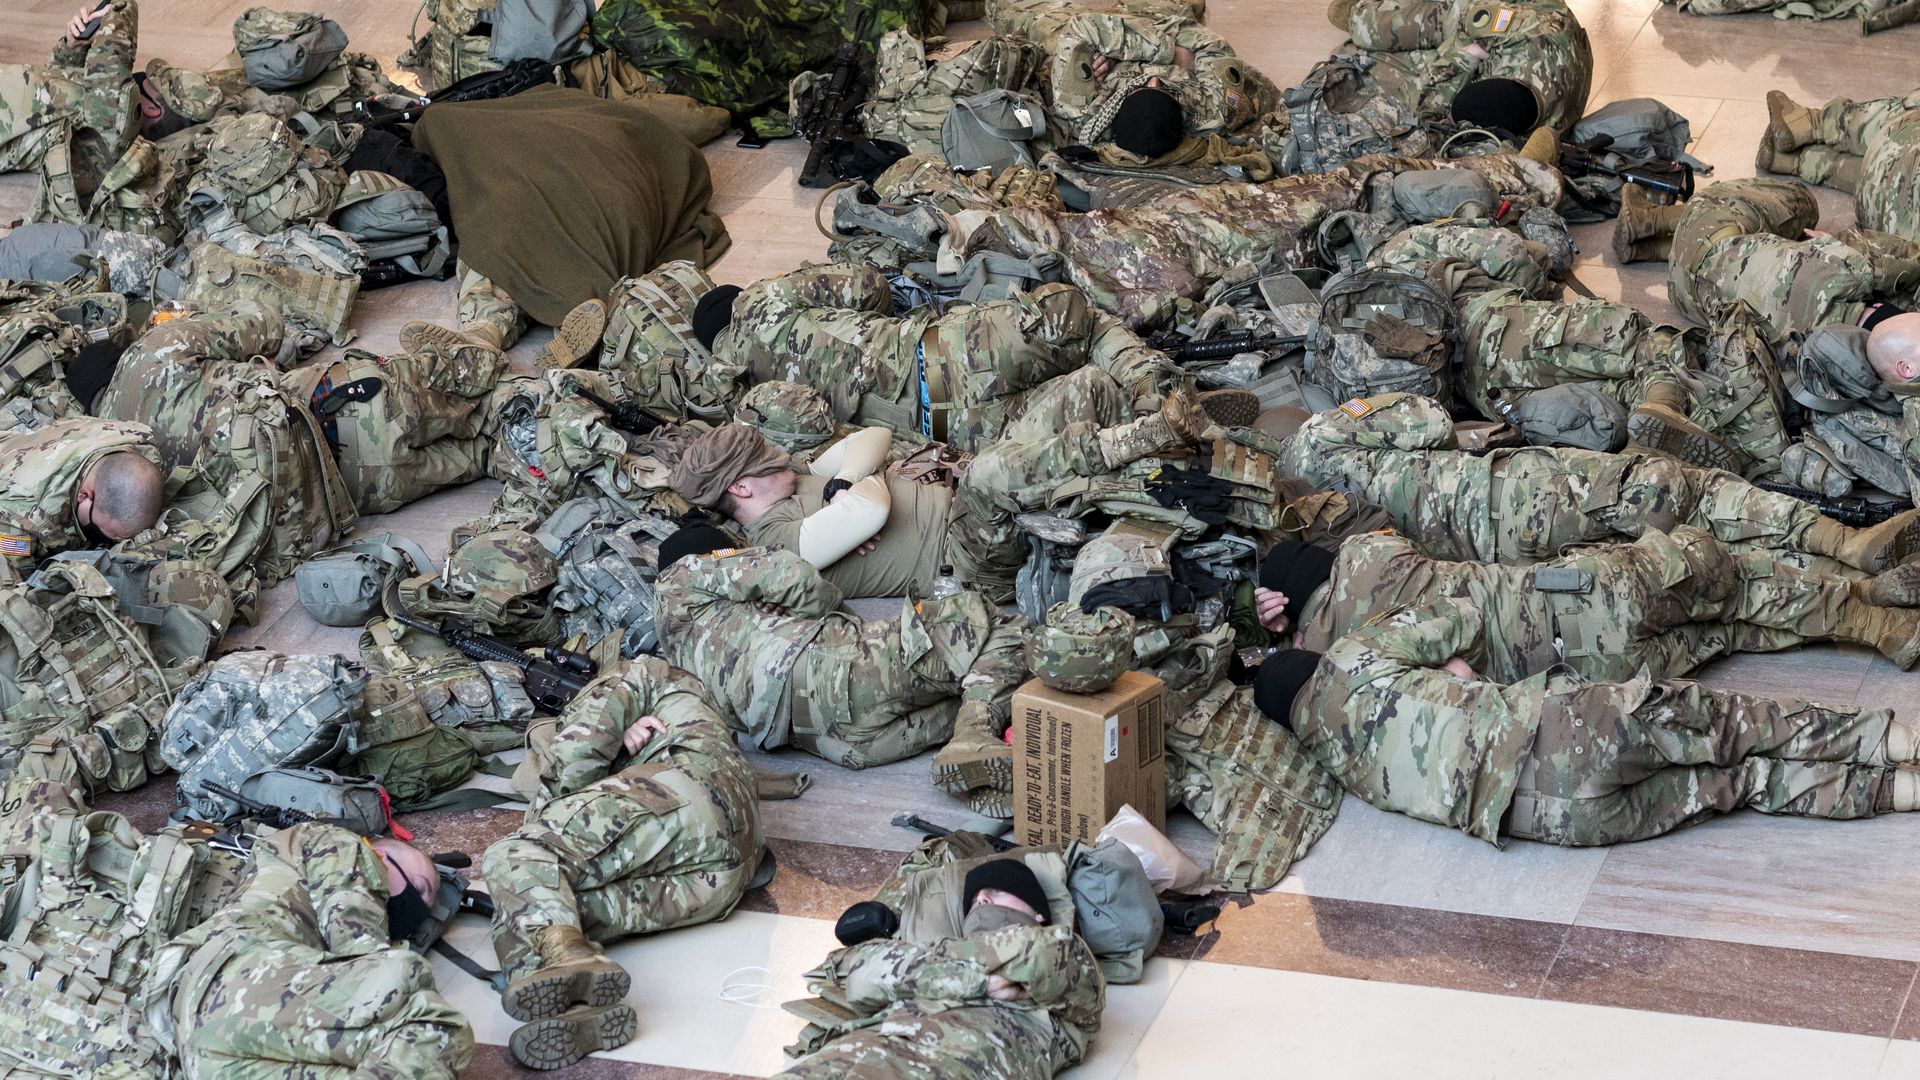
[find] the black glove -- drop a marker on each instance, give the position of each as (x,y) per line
(834,487)
(1196,491)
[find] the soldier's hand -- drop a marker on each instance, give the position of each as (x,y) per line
(1099,67)
(1001,988)
(1183,57)
(1816,234)
(77,29)
(640,732)
(867,548)
(1270,606)
(1459,667)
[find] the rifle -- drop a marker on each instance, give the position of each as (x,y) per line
(285,817)
(825,122)
(907,820)
(1673,177)
(522,74)
(623,415)
(1846,509)
(552,682)
(1186,350)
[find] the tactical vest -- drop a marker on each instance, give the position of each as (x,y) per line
(310,275)
(34,348)
(650,349)
(82,930)
(1337,114)
(913,95)
(487,702)
(76,673)
(605,584)
(218,515)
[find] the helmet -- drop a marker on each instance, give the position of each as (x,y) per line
(1079,652)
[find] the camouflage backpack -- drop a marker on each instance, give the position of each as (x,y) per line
(486,701)
(281,50)
(913,93)
(398,230)
(452,48)
(649,347)
(34,350)
(607,560)
(497,582)
(1384,330)
(137,194)
(310,274)
(77,674)
(248,712)
(81,931)
(1338,114)
(397,745)
(264,174)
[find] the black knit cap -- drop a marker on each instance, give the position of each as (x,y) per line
(91,370)
(712,313)
(1148,123)
(692,540)
(1009,876)
(1501,105)
(1279,682)
(1297,569)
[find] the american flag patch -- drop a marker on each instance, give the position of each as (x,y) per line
(15,545)
(1356,408)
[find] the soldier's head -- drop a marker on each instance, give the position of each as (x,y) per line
(412,881)
(1893,347)
(735,470)
(1279,682)
(172,99)
(1149,121)
(119,496)
(1003,892)
(698,538)
(712,313)
(1503,106)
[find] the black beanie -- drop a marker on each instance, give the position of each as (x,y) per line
(91,369)
(712,313)
(1501,105)
(1297,569)
(1009,876)
(1148,123)
(691,540)
(1279,682)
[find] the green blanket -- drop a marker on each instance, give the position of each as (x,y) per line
(557,194)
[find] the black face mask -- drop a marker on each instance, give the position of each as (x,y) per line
(95,538)
(406,911)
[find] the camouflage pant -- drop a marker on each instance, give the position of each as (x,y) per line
(926,1041)
(27,128)
(485,309)
(1872,150)
(1515,346)
(1616,762)
(617,859)
(428,428)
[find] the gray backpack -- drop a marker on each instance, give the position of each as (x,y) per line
(1640,130)
(343,587)
(991,131)
(553,31)
(395,224)
(1383,330)
(248,712)
(607,569)
(283,49)
(1337,114)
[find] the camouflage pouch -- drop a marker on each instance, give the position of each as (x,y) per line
(282,49)
(650,350)
(343,587)
(397,745)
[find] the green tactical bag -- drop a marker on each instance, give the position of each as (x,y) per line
(320,794)
(343,587)
(398,746)
(283,49)
(311,275)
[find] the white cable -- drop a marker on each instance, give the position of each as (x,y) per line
(746,993)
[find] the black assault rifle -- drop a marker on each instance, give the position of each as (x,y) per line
(624,415)
(908,820)
(1845,509)
(1673,177)
(1186,350)
(520,75)
(552,682)
(828,121)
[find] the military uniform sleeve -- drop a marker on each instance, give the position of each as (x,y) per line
(771,576)
(111,49)
(1121,353)
(837,285)
(323,869)
(1426,637)
(989,684)
(581,747)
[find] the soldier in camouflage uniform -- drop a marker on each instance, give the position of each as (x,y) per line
(328,995)
(959,378)
(76,483)
(1874,15)
(84,96)
(1519,505)
(1395,710)
(1097,60)
(644,819)
(1869,149)
(915,83)
(766,634)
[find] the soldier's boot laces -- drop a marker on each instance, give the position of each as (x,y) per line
(1895,632)
(577,336)
(1660,426)
(573,971)
(559,1041)
(1790,125)
(1898,587)
(1874,549)
(1644,231)
(431,337)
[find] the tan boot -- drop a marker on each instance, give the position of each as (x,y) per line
(573,971)
(1660,424)
(577,336)
(1340,14)
(1874,549)
(421,337)
(1790,125)
(559,1041)
(1231,407)
(1769,159)
(1644,231)
(976,757)
(1898,587)
(1543,146)
(1895,632)
(1181,422)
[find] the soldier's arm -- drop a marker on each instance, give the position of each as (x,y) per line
(999,670)
(1423,637)
(854,517)
(855,457)
(111,49)
(342,878)
(582,746)
(767,576)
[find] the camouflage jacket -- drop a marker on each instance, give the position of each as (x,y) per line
(1425,60)
(898,984)
(1410,738)
(88,86)
(40,472)
(765,633)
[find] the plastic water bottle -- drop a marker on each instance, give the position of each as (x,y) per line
(946,584)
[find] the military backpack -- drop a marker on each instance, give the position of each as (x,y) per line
(1384,330)
(913,94)
(650,348)
(281,50)
(1338,113)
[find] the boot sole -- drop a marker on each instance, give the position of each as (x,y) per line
(962,777)
(541,998)
(414,338)
(1650,432)
(1897,587)
(559,1042)
(1231,408)
(578,335)
(993,804)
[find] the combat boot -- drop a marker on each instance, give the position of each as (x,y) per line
(1874,549)
(991,802)
(1790,125)
(577,336)
(1230,407)
(1180,423)
(1770,159)
(1644,231)
(1898,587)
(976,757)
(1543,146)
(1340,14)
(426,337)
(573,971)
(1895,632)
(1660,424)
(559,1041)
(1904,795)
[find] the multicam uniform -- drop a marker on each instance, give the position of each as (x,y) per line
(1870,149)
(40,473)
(84,95)
(1559,758)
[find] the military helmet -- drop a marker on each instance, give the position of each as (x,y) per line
(497,578)
(1081,652)
(186,93)
(1572,414)
(1119,554)
(792,416)
(250,152)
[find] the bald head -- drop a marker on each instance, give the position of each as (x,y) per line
(1893,348)
(406,865)
(121,495)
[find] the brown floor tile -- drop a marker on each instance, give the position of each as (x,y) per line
(819,881)
(469,831)
(1792,987)
(1356,940)
(495,1063)
(1908,1026)
(146,807)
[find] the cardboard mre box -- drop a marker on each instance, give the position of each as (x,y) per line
(1078,758)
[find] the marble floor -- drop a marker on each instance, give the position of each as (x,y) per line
(1745,947)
